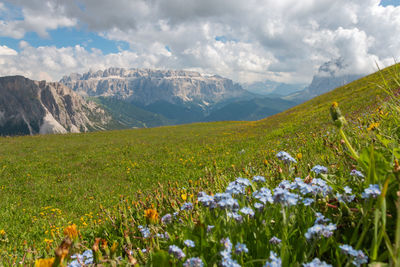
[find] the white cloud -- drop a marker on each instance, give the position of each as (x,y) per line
(6,51)
(284,40)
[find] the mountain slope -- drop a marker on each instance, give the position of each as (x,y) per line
(101,167)
(32,107)
(250,110)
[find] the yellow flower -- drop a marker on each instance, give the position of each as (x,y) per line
(335,104)
(71,231)
(184,197)
(2,232)
(299,156)
(44,262)
(373,126)
(151,214)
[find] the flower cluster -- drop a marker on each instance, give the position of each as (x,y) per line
(274,260)
(372,191)
(319,169)
(145,231)
(357,256)
(285,157)
(226,254)
(319,229)
(176,252)
(83,259)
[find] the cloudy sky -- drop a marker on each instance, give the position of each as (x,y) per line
(245,40)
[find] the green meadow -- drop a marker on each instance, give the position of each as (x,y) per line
(48,182)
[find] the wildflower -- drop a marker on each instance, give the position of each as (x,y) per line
(320,218)
(285,197)
(247,211)
(299,156)
(193,262)
(258,206)
(184,196)
(209,228)
(319,169)
(274,260)
(357,173)
(166,219)
(307,201)
(275,241)
(145,231)
(235,216)
(358,256)
(205,199)
(346,197)
(238,186)
(316,263)
(258,179)
(372,191)
(285,184)
(373,126)
(226,243)
(2,232)
(226,201)
(229,262)
(285,157)
(71,231)
(319,230)
(241,248)
(44,262)
(176,252)
(189,243)
(264,195)
(187,206)
(337,116)
(319,186)
(151,214)
(85,258)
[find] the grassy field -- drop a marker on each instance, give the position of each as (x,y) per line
(50,181)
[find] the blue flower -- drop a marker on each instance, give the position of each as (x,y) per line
(238,186)
(205,199)
(274,260)
(235,216)
(145,231)
(285,197)
(357,173)
(275,241)
(357,255)
(285,157)
(319,169)
(346,197)
(258,206)
(308,201)
(209,228)
(187,206)
(226,201)
(372,191)
(319,186)
(166,219)
(176,252)
(229,262)
(86,258)
(319,230)
(189,243)
(193,262)
(320,218)
(258,179)
(264,195)
(241,248)
(247,211)
(316,263)
(226,243)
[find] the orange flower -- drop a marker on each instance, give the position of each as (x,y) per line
(151,214)
(44,262)
(71,231)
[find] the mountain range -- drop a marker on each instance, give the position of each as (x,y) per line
(118,98)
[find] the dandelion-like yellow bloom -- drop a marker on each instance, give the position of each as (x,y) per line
(184,197)
(44,262)
(151,214)
(2,232)
(373,126)
(299,156)
(71,231)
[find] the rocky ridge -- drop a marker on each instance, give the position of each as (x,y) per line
(40,107)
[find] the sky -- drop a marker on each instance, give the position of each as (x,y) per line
(246,41)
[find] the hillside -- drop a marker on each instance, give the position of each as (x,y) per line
(48,181)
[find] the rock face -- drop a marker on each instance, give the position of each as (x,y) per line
(147,86)
(33,107)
